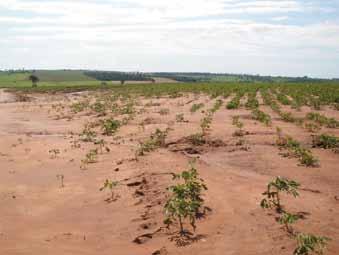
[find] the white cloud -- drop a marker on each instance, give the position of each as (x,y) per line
(140,32)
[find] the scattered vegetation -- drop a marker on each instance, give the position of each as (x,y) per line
(296,150)
(262,117)
(323,120)
(325,141)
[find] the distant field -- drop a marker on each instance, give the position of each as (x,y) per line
(64,78)
(60,75)
(46,77)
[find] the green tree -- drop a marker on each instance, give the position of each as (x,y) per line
(34,79)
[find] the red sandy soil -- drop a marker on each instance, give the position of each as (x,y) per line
(38,216)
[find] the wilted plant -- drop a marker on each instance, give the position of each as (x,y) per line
(274,188)
(91,157)
(180,117)
(185,200)
(308,244)
(54,153)
(110,185)
(102,145)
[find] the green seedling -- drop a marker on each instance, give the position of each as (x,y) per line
(185,200)
(262,117)
(287,219)
(155,141)
(310,244)
(325,141)
(110,126)
(274,188)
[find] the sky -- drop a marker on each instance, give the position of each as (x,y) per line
(281,37)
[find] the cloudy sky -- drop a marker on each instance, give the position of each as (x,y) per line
(280,37)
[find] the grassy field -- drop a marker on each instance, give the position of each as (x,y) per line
(47,78)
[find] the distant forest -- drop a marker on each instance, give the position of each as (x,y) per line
(117,76)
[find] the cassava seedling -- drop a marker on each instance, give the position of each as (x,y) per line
(110,185)
(110,126)
(310,244)
(156,140)
(91,157)
(274,188)
(287,219)
(185,200)
(180,117)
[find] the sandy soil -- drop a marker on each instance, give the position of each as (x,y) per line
(38,216)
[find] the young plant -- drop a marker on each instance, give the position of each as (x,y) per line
(236,122)
(110,126)
(206,123)
(185,200)
(88,135)
(262,117)
(312,127)
(196,107)
(309,244)
(156,140)
(287,219)
(79,106)
(217,105)
(180,117)
(110,185)
(98,107)
(325,141)
(274,188)
(197,139)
